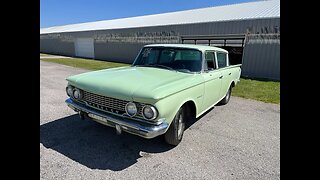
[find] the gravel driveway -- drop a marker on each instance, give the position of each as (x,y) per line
(240,140)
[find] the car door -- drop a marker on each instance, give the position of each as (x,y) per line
(212,79)
(222,62)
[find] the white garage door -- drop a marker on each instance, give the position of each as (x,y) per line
(84,47)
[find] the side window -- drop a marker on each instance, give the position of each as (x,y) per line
(210,61)
(222,59)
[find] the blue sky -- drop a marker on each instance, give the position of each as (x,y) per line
(61,12)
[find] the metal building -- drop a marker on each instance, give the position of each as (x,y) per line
(249,31)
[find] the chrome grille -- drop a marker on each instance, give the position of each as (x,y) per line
(104,101)
(107,103)
(140,106)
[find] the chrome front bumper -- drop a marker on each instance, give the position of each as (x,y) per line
(144,130)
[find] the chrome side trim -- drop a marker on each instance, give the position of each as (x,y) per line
(144,130)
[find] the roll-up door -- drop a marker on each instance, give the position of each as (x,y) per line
(84,47)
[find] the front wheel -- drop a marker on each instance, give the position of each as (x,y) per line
(174,134)
(226,99)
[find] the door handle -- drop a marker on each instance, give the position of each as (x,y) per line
(220,77)
(229,73)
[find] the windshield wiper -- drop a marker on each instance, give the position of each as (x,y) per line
(157,65)
(163,66)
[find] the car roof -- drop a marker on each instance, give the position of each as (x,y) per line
(192,46)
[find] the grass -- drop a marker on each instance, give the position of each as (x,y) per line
(42,54)
(85,63)
(261,90)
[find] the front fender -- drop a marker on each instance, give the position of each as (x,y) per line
(169,106)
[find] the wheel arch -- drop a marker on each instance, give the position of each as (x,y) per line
(233,84)
(191,107)
(190,104)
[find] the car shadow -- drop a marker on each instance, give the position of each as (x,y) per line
(97,146)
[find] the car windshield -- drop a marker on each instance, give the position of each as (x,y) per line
(178,59)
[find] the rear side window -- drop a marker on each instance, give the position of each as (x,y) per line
(221,59)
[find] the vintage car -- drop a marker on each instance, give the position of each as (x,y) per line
(166,86)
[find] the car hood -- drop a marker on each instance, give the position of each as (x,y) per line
(141,84)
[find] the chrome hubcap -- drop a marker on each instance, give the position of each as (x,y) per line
(180,126)
(228,95)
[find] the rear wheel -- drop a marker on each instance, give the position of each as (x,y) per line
(174,134)
(226,99)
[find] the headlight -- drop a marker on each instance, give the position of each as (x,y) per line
(69,90)
(131,109)
(77,94)
(149,112)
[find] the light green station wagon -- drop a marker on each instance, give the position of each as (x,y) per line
(167,86)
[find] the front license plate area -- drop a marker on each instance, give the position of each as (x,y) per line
(98,117)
